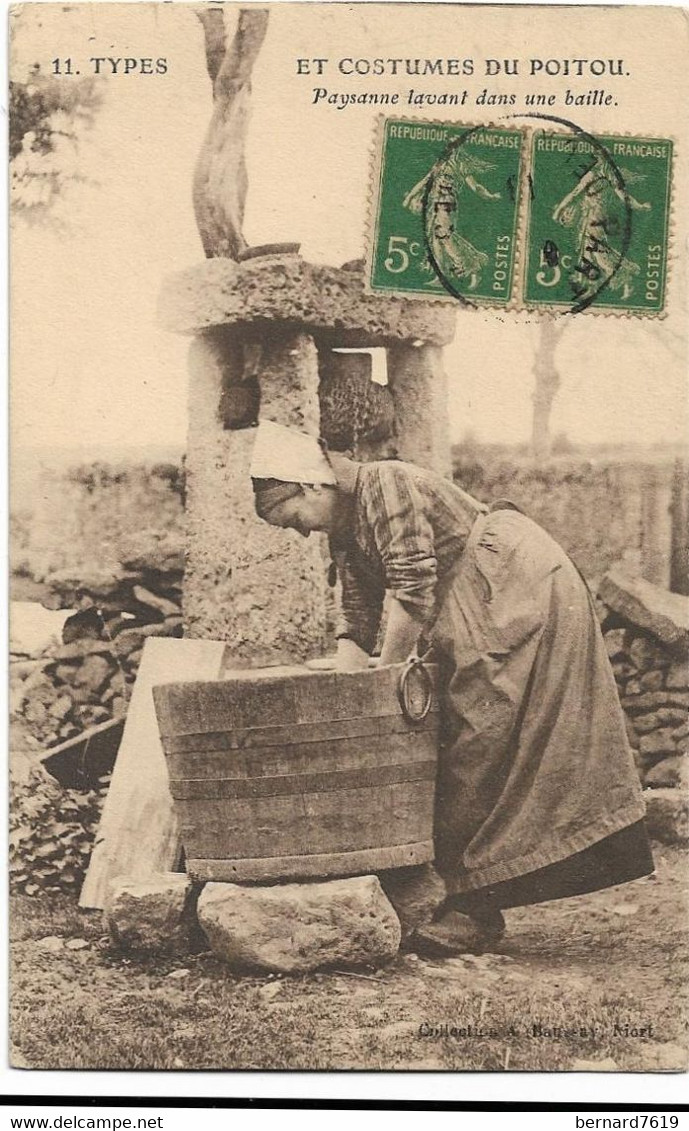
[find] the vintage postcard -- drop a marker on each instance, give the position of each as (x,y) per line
(349,673)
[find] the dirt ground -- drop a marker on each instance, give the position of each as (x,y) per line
(596,982)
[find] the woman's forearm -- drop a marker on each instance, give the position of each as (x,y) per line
(401,634)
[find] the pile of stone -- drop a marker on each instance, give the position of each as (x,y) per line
(77,688)
(87,679)
(287,928)
(646,631)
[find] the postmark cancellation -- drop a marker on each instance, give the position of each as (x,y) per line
(544,217)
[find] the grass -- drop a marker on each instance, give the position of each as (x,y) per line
(578,968)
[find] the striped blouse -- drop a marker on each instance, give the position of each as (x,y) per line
(409,528)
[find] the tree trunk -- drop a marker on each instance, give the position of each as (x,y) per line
(547,383)
(220,179)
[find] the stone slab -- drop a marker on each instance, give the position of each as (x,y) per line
(615,642)
(286,289)
(652,700)
(295,928)
(651,681)
(664,717)
(660,742)
(667,815)
(153,916)
(645,654)
(677,678)
(663,614)
(670,773)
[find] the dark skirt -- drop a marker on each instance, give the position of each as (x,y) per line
(623,856)
(537,794)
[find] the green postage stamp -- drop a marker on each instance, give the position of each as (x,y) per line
(447,211)
(598,219)
(592,232)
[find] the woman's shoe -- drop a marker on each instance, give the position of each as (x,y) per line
(492,926)
(456,933)
(453,934)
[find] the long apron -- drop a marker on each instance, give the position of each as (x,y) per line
(535,766)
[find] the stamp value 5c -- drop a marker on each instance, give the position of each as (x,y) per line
(446,221)
(447,211)
(598,218)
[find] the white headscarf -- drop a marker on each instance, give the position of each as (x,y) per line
(289,456)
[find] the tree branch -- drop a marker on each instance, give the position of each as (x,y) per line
(213,23)
(220,178)
(239,59)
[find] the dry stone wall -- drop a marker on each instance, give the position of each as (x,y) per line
(105,540)
(87,679)
(646,631)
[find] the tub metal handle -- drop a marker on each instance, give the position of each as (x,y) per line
(404,694)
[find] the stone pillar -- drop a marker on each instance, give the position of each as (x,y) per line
(258,587)
(254,324)
(418,385)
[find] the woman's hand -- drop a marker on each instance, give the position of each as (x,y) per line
(329,664)
(401,636)
(350,657)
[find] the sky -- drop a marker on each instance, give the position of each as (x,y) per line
(90,366)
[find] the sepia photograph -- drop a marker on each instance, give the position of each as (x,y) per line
(349,538)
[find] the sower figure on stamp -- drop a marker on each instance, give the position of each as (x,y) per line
(587,207)
(537,795)
(454,254)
